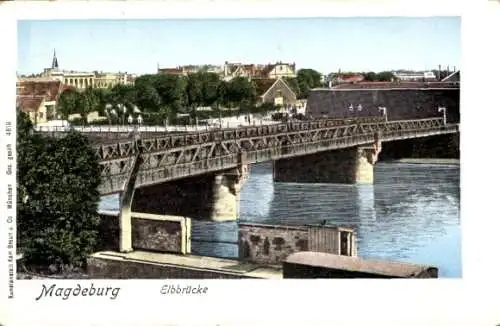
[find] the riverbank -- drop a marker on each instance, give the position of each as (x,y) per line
(444,161)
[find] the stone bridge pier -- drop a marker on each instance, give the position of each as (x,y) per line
(210,196)
(349,166)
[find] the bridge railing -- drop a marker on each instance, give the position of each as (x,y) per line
(201,166)
(113,182)
(122,129)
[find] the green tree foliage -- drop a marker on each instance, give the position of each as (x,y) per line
(241,93)
(58,197)
(147,98)
(87,102)
(68,103)
(194,92)
(370,76)
(210,87)
(384,76)
(307,79)
(103,99)
(294,85)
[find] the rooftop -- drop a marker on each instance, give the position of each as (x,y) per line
(49,89)
(29,104)
(354,264)
(399,85)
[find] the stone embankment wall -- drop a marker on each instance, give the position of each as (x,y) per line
(124,269)
(149,232)
(401,103)
(272,244)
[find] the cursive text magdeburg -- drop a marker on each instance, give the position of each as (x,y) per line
(78,290)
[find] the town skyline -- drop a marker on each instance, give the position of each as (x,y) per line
(95,45)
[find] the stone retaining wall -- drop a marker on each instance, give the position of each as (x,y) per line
(149,232)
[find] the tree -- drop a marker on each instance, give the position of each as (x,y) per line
(370,76)
(210,87)
(122,99)
(308,79)
(148,98)
(87,103)
(172,92)
(385,76)
(102,96)
(194,92)
(241,92)
(68,103)
(58,183)
(294,85)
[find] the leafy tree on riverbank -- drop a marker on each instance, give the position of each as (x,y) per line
(57,197)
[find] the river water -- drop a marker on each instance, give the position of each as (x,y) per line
(411,213)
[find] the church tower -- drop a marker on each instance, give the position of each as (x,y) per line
(55,64)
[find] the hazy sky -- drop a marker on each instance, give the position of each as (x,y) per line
(326,44)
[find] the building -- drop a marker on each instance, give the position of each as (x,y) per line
(310,264)
(272,244)
(179,71)
(275,91)
(81,80)
(190,69)
(415,76)
(35,107)
(230,70)
(348,79)
(279,70)
(402,100)
(233,70)
(38,98)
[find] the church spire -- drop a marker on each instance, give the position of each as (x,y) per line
(55,64)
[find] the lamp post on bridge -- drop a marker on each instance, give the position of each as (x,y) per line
(443,109)
(351,110)
(383,109)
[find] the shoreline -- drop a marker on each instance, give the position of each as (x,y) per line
(444,161)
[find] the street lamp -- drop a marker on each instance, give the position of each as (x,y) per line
(139,119)
(130,119)
(351,108)
(443,109)
(383,109)
(360,107)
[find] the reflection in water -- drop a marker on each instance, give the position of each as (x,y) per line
(410,214)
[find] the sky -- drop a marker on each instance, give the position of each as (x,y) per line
(323,44)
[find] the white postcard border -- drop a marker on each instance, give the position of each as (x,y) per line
(470,301)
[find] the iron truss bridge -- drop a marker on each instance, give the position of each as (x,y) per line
(164,157)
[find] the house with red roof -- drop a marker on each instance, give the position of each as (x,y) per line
(349,79)
(39,98)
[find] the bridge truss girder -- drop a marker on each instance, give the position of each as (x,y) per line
(170,157)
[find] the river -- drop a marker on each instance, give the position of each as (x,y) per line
(411,213)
